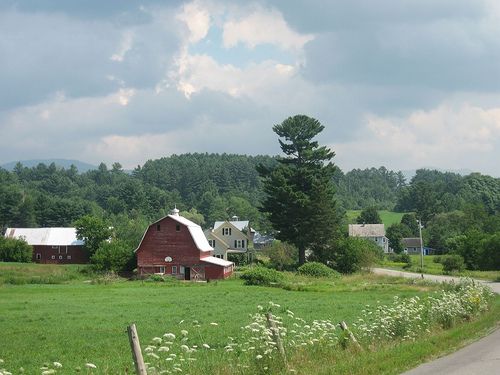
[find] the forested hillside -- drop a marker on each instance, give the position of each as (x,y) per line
(217,186)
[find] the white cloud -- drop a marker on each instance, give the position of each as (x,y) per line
(449,136)
(125,46)
(198,72)
(197,20)
(263,27)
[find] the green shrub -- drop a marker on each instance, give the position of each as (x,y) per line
(351,254)
(114,256)
(262,276)
(13,250)
(437,259)
(282,256)
(317,269)
(400,258)
(452,263)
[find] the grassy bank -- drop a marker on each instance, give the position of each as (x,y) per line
(33,273)
(434,268)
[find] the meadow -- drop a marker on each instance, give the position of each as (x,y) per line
(80,320)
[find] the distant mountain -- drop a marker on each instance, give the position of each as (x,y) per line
(61,163)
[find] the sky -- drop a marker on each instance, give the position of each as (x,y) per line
(403,84)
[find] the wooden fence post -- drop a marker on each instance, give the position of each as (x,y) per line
(276,336)
(140,367)
(346,329)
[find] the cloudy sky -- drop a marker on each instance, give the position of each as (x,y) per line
(399,83)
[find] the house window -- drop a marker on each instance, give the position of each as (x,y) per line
(53,257)
(178,228)
(219,256)
(162,269)
(238,244)
(158,227)
(211,243)
(68,257)
(38,256)
(226,231)
(174,270)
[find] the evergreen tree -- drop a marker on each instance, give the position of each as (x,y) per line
(299,190)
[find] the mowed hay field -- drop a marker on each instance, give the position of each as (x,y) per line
(388,217)
(79,322)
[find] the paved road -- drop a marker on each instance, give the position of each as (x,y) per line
(481,357)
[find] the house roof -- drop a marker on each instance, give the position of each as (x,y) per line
(411,242)
(45,236)
(366,230)
(194,229)
(217,261)
(240,224)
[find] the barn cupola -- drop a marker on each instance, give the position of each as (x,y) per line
(175,211)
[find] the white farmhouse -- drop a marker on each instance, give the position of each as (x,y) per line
(229,237)
(373,232)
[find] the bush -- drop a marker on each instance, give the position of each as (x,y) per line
(452,263)
(437,259)
(316,269)
(282,256)
(262,276)
(113,256)
(238,259)
(351,254)
(400,258)
(13,250)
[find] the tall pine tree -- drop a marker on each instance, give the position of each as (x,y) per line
(300,195)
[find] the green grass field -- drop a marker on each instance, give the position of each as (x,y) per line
(388,217)
(78,321)
(434,268)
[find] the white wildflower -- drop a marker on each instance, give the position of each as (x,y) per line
(90,365)
(206,346)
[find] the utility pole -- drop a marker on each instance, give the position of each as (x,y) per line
(421,249)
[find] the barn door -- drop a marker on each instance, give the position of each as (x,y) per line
(187,273)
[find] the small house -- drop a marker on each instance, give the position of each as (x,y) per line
(412,245)
(52,245)
(176,246)
(373,232)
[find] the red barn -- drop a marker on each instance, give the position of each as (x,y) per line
(52,245)
(176,246)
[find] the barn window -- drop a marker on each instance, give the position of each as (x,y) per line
(60,257)
(53,257)
(174,270)
(38,256)
(68,257)
(182,270)
(178,228)
(158,227)
(162,269)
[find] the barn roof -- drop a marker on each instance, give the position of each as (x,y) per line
(45,236)
(194,229)
(217,261)
(366,230)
